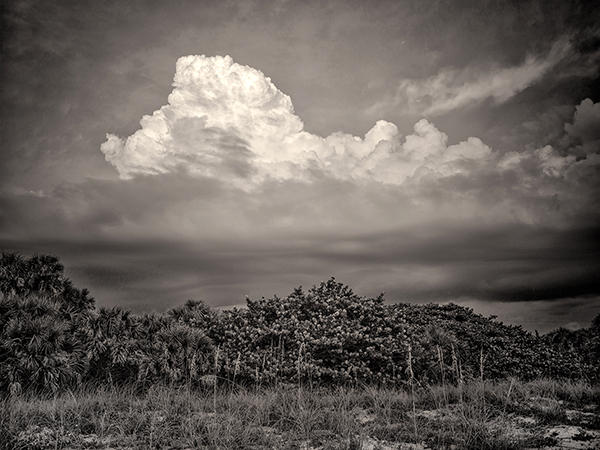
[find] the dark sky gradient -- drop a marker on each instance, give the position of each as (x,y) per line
(511,229)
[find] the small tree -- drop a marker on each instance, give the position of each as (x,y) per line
(38,348)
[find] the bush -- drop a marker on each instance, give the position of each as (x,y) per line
(39,346)
(40,275)
(475,340)
(325,335)
(52,337)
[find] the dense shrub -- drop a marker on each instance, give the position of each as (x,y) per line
(326,335)
(52,337)
(481,343)
(42,325)
(40,275)
(124,348)
(40,347)
(582,345)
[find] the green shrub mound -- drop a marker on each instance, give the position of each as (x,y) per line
(52,337)
(326,335)
(479,342)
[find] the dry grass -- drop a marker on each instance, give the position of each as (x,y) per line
(475,415)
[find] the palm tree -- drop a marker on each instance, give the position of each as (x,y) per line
(113,336)
(37,351)
(183,352)
(40,275)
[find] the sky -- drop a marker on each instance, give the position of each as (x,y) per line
(436,151)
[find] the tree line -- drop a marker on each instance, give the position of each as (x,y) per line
(53,337)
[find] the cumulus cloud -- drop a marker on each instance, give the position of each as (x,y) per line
(585,128)
(451,88)
(226,120)
(221,119)
(229,122)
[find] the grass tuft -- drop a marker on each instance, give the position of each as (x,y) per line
(292,417)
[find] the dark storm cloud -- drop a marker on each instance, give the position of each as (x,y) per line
(158,275)
(128,241)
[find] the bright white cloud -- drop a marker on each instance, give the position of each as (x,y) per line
(220,115)
(229,122)
(451,89)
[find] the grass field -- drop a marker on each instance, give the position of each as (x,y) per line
(322,368)
(494,415)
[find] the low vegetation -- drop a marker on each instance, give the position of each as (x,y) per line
(319,367)
(494,415)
